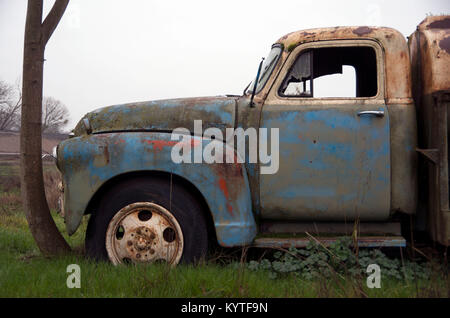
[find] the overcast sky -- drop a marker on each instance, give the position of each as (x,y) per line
(108,52)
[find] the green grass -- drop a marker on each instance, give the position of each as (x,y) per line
(12,167)
(24,272)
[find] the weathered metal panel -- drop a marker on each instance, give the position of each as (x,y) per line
(404,184)
(250,117)
(88,162)
(432,38)
(369,241)
(165,115)
(436,108)
(430,58)
(326,228)
(398,71)
(334,165)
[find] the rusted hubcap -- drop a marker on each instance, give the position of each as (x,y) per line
(144,232)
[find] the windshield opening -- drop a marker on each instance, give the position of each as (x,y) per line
(267,68)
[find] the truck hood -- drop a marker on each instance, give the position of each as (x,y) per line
(161,115)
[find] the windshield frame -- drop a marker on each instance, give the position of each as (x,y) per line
(266,71)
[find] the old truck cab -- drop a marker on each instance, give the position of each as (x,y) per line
(334,106)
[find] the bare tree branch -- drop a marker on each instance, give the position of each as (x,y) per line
(54,115)
(52,19)
(10,103)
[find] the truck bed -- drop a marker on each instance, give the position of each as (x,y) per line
(430,58)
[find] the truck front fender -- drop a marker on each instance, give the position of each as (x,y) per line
(88,162)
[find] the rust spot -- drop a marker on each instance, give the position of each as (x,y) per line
(116,142)
(102,158)
(307,33)
(445,44)
(106,153)
(223,187)
(440,24)
(159,144)
(286,36)
(362,30)
(194,101)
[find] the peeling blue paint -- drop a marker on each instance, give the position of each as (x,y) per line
(334,164)
(96,159)
(310,192)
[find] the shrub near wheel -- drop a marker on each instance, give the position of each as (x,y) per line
(137,221)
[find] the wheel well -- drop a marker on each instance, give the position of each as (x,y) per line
(186,184)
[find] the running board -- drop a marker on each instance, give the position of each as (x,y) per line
(332,228)
(368,241)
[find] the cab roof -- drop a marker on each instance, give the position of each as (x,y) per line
(397,64)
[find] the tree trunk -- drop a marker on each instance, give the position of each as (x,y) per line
(43,228)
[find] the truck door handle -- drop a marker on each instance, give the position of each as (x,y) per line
(377,113)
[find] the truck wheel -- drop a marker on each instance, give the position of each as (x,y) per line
(136,223)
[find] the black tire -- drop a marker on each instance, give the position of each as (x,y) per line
(184,207)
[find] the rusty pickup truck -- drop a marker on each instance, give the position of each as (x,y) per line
(361,120)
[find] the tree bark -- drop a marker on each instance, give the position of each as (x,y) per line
(43,228)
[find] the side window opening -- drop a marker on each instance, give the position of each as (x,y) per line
(333,72)
(336,85)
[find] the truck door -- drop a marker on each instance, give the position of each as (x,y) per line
(334,142)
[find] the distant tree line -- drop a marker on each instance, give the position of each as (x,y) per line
(55,114)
